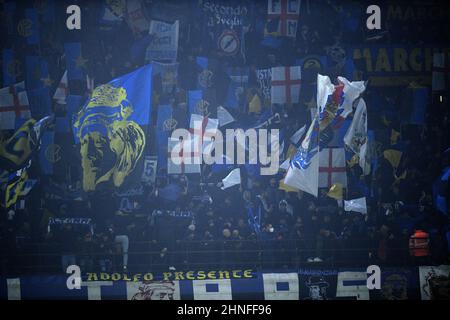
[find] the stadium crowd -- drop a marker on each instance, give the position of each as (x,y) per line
(207,227)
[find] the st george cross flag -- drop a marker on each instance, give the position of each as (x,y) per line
(282,17)
(232,179)
(12,89)
(303,172)
(356,137)
(204,129)
(441,72)
(13,107)
(356,205)
(285,85)
(182,157)
(332,167)
(62,91)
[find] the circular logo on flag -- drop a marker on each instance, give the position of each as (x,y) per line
(53,153)
(205,78)
(228,43)
(169,124)
(24,27)
(202,107)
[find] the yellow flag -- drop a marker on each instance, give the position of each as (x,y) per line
(254,105)
(285,187)
(393,156)
(394,136)
(14,189)
(336,191)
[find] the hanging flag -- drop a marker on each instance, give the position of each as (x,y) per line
(237,86)
(332,167)
(183,155)
(200,103)
(205,75)
(264,79)
(285,85)
(29,27)
(224,116)
(356,205)
(13,107)
(336,191)
(165,124)
(232,179)
(164,44)
(356,138)
(282,18)
(62,91)
(37,73)
(75,62)
(224,24)
(135,16)
(303,172)
(111,128)
(441,72)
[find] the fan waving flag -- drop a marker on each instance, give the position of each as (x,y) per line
(111,128)
(285,85)
(356,138)
(303,173)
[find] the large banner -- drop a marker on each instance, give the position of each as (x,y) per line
(395,65)
(238,284)
(225,22)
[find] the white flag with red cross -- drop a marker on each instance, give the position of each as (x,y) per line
(13,106)
(205,129)
(285,85)
(283,15)
(62,92)
(184,155)
(441,72)
(332,167)
(20,86)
